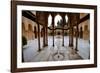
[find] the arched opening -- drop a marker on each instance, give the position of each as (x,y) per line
(58,20)
(86,32)
(23,26)
(81,32)
(49,32)
(85,27)
(42,32)
(23,29)
(66,25)
(30,32)
(30,27)
(58,24)
(49,20)
(35,32)
(66,18)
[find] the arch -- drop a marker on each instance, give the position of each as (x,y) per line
(66,18)
(42,32)
(58,20)
(49,20)
(35,32)
(24,32)
(23,26)
(81,32)
(85,27)
(30,27)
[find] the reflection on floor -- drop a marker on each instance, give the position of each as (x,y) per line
(56,53)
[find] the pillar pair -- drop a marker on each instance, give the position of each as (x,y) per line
(73,22)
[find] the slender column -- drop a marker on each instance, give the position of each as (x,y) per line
(38,32)
(22,56)
(46,30)
(77,31)
(46,35)
(39,37)
(43,35)
(71,36)
(76,38)
(63,17)
(71,31)
(53,26)
(63,37)
(69,22)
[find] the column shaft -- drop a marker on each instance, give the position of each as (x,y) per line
(39,38)
(77,31)
(43,36)
(63,17)
(53,27)
(71,31)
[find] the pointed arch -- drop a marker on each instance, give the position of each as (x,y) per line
(58,20)
(66,18)
(35,32)
(49,20)
(30,27)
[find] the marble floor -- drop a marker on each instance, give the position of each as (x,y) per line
(56,53)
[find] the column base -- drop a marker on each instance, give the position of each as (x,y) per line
(76,49)
(70,45)
(46,44)
(53,45)
(62,44)
(39,50)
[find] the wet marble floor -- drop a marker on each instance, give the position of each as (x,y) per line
(56,53)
